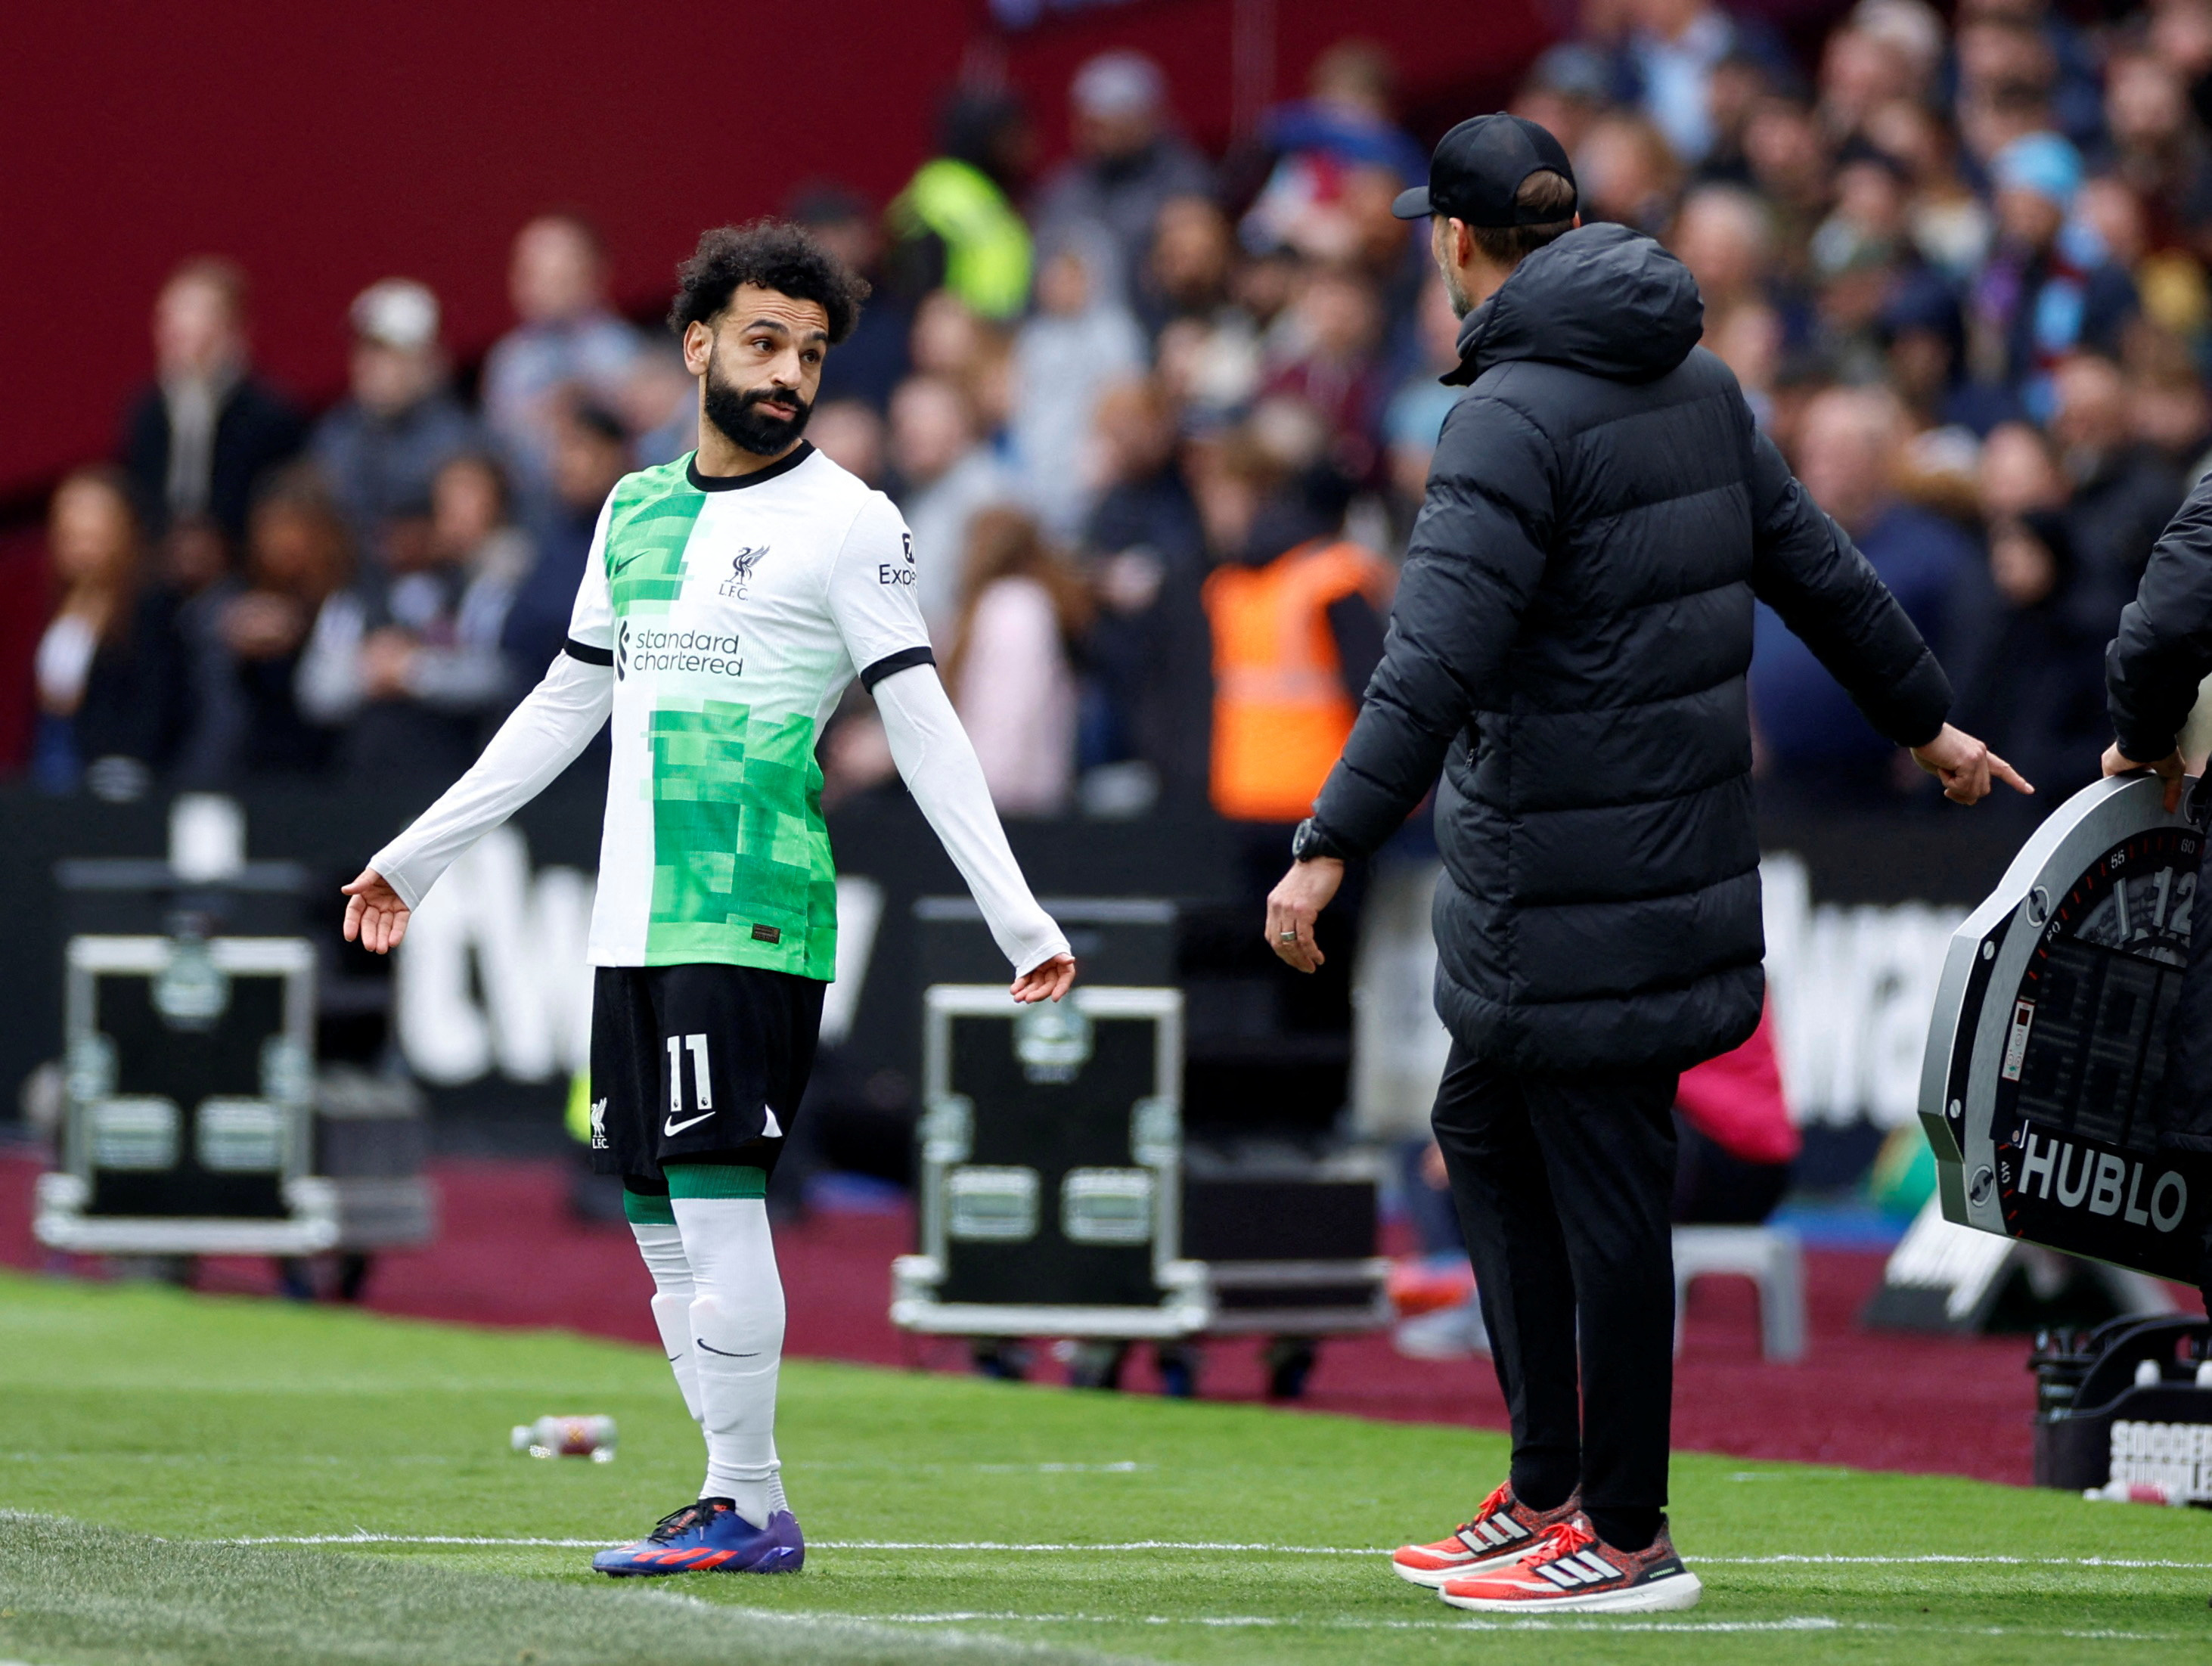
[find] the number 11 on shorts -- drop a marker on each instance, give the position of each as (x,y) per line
(702,1081)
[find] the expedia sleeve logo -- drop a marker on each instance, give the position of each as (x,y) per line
(898,576)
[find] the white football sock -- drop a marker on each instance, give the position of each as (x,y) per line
(737,1336)
(662,1246)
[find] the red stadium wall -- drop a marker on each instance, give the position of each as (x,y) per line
(325,146)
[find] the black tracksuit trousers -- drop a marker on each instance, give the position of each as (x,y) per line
(1562,1184)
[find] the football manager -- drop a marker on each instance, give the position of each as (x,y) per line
(2154,668)
(1568,648)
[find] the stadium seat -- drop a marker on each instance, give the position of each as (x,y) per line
(1770,1257)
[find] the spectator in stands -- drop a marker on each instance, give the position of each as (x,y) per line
(590,454)
(2123,490)
(1080,340)
(1296,612)
(1785,156)
(945,475)
(2034,671)
(2168,405)
(1348,122)
(1815,745)
(955,225)
(850,434)
(1856,254)
(658,404)
(1009,670)
(1127,163)
(568,338)
(872,361)
(1149,650)
(298,557)
(1888,50)
(1207,345)
(413,668)
(2159,151)
(1950,225)
(1921,333)
(1723,235)
(1627,174)
(2050,288)
(1296,615)
(399,423)
(1327,359)
(952,342)
(1565,91)
(109,669)
(1676,46)
(1188,264)
(197,440)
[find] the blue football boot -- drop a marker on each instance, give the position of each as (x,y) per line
(710,1533)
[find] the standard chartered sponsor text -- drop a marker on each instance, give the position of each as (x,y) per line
(713,653)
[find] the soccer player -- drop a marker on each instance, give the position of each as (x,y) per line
(728,600)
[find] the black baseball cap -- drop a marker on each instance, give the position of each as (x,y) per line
(1479,166)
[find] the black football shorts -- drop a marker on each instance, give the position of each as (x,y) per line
(700,1063)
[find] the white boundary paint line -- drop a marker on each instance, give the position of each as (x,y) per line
(1599,1623)
(1013,1548)
(1353,1623)
(417,1539)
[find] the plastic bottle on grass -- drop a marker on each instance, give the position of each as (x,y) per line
(566,1437)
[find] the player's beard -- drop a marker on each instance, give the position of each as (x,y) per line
(736,413)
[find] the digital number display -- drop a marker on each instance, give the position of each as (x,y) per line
(2099,989)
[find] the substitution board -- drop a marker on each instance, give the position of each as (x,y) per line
(2041,1087)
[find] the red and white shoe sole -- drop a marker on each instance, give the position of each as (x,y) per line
(1679,1590)
(1435,1578)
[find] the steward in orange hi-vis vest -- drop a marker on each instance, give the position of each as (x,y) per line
(1281,710)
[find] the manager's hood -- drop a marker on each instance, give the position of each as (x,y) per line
(1603,299)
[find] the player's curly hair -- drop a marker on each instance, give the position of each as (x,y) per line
(771,254)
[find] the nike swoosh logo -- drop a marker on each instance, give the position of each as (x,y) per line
(755,1354)
(672,1127)
(633,561)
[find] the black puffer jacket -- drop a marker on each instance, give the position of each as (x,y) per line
(1569,643)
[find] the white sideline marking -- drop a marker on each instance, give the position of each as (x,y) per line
(1533,1623)
(1970,1561)
(359,1538)
(1011,1547)
(1349,1623)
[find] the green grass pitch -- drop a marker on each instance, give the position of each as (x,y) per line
(144,1434)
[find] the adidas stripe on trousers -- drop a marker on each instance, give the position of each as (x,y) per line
(1562,1185)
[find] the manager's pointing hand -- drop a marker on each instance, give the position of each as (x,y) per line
(1965,766)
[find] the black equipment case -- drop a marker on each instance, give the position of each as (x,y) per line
(1058,1195)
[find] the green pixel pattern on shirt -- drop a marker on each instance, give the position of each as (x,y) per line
(741,868)
(647,528)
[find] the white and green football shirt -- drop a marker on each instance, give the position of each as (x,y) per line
(733,612)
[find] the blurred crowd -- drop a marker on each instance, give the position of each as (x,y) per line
(1159,421)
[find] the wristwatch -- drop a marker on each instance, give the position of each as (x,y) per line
(1312,840)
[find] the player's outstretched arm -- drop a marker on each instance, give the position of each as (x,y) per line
(555,722)
(940,769)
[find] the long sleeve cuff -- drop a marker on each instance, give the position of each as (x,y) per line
(940,769)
